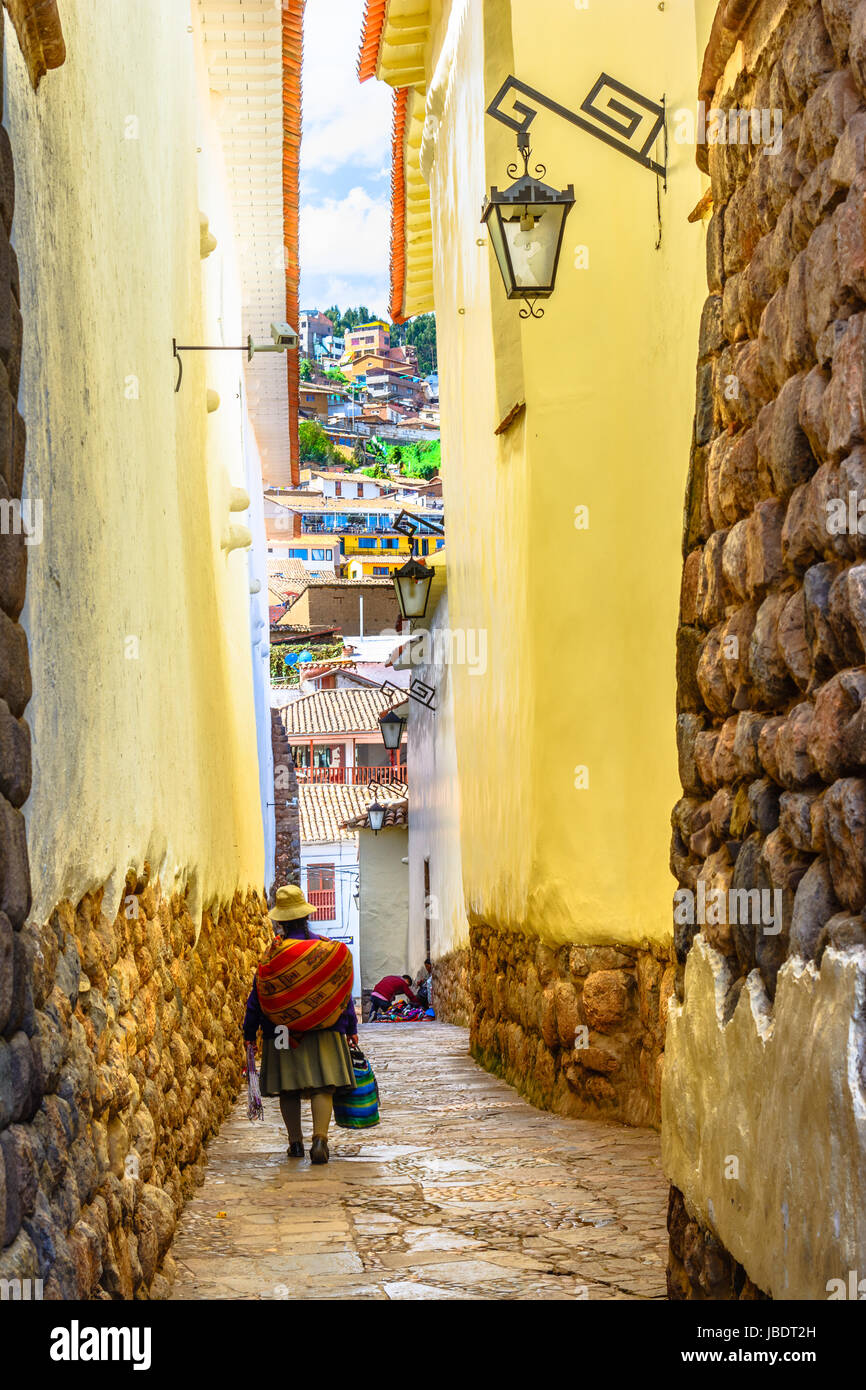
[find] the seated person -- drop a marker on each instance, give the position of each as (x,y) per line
(424,983)
(383,993)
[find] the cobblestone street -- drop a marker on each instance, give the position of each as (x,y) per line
(462,1191)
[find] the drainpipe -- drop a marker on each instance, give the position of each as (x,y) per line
(361,613)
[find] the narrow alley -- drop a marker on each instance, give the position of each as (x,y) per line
(463,1191)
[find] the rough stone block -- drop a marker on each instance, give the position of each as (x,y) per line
(842,404)
(14,868)
(844,821)
(794,767)
(606,999)
(15,767)
(838,17)
(837,737)
(15,685)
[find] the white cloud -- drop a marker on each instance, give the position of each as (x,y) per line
(345,239)
(345,245)
(350,233)
(345,122)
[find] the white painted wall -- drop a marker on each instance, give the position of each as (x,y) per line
(343,854)
(434,817)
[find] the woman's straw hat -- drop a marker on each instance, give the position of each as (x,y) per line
(291,904)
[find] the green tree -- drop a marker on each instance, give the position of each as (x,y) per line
(305,370)
(420,333)
(315,446)
(417,460)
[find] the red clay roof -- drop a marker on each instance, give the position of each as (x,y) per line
(396,813)
(293,47)
(398,206)
(371,37)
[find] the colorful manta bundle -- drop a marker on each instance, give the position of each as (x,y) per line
(305,985)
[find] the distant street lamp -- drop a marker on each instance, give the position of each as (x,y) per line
(393,729)
(375,816)
(412,584)
(526,224)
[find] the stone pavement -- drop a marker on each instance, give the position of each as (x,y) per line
(463,1191)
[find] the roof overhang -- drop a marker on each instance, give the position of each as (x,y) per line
(394,48)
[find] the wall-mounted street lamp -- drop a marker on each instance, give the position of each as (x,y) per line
(375,816)
(526,223)
(285,338)
(527,220)
(392,728)
(412,585)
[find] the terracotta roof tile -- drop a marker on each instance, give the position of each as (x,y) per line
(335,712)
(324,807)
(293,48)
(395,814)
(371,37)
(398,204)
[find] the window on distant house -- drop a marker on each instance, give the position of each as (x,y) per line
(321,554)
(366,543)
(338,489)
(380,569)
(298,554)
(321,891)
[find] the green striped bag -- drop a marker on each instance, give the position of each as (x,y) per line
(358,1108)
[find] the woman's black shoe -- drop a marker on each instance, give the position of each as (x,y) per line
(296,1149)
(319,1150)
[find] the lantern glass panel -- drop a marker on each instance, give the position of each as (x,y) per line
(412,593)
(532,233)
(500,249)
(392,727)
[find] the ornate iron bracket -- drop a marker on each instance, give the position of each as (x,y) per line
(418,690)
(408,524)
(612,112)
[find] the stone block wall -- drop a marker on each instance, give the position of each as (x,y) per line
(121,1054)
(530,1001)
(287,861)
(771,678)
(452,999)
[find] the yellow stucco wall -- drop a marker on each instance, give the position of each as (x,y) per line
(384,904)
(151,756)
(580,623)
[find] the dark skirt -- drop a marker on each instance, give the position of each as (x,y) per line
(322,1061)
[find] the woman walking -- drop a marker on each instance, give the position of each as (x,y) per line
(308,1065)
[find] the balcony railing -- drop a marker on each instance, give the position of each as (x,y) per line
(324,900)
(352,776)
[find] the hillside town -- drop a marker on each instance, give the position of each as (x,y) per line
(433,720)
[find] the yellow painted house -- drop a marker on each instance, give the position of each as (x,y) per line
(570,429)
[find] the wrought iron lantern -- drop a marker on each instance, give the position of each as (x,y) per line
(526,224)
(375,816)
(412,584)
(393,729)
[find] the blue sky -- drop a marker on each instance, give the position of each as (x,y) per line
(345,166)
